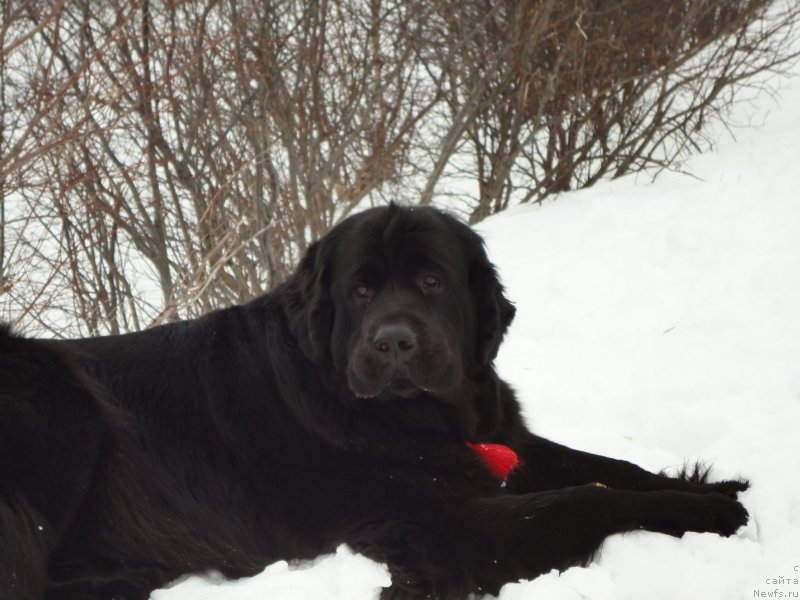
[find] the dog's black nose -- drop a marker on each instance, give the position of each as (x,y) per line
(394,337)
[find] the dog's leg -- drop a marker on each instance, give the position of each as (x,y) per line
(493,541)
(525,536)
(547,465)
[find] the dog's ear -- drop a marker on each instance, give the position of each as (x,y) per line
(308,304)
(494,311)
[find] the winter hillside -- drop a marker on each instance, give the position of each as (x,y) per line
(656,322)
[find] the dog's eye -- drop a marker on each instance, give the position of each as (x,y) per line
(430,282)
(362,292)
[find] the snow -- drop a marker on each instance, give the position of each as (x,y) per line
(342,575)
(657,322)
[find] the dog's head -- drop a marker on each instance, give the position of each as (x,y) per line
(401,301)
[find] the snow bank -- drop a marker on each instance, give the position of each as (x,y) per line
(341,576)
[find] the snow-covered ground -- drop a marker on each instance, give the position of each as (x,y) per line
(656,322)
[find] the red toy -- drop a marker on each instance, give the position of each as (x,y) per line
(498,458)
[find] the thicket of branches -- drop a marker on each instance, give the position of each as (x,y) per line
(158,160)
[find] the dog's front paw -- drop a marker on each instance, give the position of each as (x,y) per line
(724,515)
(729,488)
(694,478)
(679,512)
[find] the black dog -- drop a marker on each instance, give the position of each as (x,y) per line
(335,409)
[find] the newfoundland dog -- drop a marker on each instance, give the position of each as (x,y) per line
(355,403)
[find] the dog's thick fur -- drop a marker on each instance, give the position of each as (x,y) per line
(334,409)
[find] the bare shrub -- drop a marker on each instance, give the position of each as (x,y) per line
(174,158)
(567,93)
